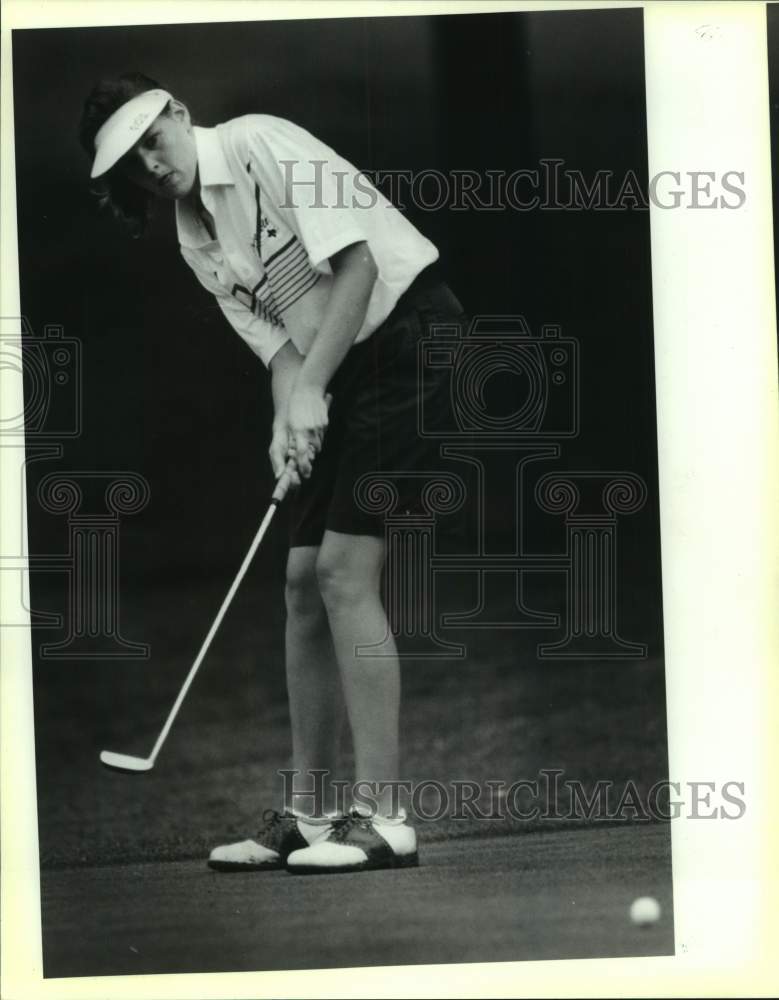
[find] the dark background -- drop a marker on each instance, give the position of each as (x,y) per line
(172,393)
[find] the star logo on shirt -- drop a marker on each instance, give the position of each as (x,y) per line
(266,229)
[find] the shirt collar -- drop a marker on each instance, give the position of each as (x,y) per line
(213,169)
(211,162)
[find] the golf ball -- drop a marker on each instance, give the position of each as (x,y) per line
(645,911)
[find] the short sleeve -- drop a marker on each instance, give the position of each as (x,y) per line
(317,193)
(263,337)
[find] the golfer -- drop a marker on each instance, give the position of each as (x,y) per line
(332,288)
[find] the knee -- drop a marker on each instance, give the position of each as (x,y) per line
(301,592)
(340,587)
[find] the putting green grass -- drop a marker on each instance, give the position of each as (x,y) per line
(498,715)
(496,900)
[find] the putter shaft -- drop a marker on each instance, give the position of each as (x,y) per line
(279,493)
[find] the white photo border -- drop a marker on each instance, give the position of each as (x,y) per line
(718,427)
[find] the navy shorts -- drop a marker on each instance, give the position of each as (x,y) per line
(374,421)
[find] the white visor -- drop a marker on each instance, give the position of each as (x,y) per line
(124,128)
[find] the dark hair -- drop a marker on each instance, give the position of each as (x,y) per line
(130,205)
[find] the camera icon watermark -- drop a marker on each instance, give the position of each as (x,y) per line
(502,440)
(50,367)
(543,369)
(48,414)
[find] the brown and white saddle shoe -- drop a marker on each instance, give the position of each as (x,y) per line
(282,834)
(359,842)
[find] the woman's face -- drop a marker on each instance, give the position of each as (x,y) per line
(164,160)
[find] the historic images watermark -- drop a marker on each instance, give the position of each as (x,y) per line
(499,449)
(545,365)
(548,186)
(549,795)
(92,501)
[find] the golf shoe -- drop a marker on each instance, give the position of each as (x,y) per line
(359,842)
(282,833)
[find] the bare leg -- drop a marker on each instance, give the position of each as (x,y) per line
(349,571)
(313,681)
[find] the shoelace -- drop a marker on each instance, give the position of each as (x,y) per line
(343,827)
(271,819)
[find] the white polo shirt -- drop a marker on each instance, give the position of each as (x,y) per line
(283,203)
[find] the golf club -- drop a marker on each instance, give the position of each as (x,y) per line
(126,762)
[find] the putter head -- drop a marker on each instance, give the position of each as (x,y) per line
(124,762)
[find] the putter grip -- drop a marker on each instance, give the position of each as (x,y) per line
(284,483)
